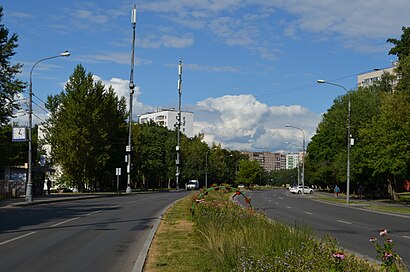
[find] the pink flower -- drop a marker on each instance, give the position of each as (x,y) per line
(383,232)
(373,239)
(339,255)
(387,255)
(389,240)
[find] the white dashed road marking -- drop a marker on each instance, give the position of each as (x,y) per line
(66,221)
(309,213)
(344,222)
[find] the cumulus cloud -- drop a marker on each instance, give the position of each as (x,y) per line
(241,122)
(121,88)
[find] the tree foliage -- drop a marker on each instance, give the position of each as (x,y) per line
(10,87)
(87,125)
(249,172)
(380,126)
(401,46)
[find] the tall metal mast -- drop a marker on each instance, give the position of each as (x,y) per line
(132,86)
(179,123)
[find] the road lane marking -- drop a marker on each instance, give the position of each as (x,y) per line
(63,222)
(288,207)
(91,213)
(344,222)
(281,198)
(405,236)
(309,213)
(277,203)
(16,238)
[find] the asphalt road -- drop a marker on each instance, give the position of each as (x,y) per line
(100,234)
(351,226)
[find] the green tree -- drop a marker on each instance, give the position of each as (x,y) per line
(387,140)
(10,87)
(326,162)
(249,172)
(86,120)
(150,154)
(401,47)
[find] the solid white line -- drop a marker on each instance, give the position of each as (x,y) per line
(309,213)
(344,222)
(14,239)
(405,236)
(63,222)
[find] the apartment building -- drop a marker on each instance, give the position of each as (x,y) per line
(370,78)
(168,118)
(292,160)
(268,160)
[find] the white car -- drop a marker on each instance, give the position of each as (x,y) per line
(299,189)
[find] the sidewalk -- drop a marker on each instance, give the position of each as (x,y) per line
(21,201)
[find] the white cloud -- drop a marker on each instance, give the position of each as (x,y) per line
(208,68)
(116,57)
(121,88)
(241,122)
(258,26)
(168,40)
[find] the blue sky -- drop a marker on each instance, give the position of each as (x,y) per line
(249,67)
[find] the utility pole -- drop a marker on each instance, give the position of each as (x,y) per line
(178,160)
(131,86)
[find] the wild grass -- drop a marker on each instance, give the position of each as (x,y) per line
(243,240)
(220,236)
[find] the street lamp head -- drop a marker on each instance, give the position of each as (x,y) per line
(321,81)
(65,54)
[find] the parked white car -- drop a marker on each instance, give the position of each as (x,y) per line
(299,189)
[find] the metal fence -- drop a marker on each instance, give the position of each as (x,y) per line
(9,188)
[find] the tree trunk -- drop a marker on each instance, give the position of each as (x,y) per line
(391,187)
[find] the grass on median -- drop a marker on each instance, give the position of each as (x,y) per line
(225,237)
(176,245)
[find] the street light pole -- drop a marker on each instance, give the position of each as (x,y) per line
(131,86)
(29,189)
(321,81)
(303,159)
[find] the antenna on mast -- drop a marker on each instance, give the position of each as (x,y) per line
(131,86)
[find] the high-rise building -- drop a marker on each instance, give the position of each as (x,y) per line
(268,160)
(292,160)
(168,119)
